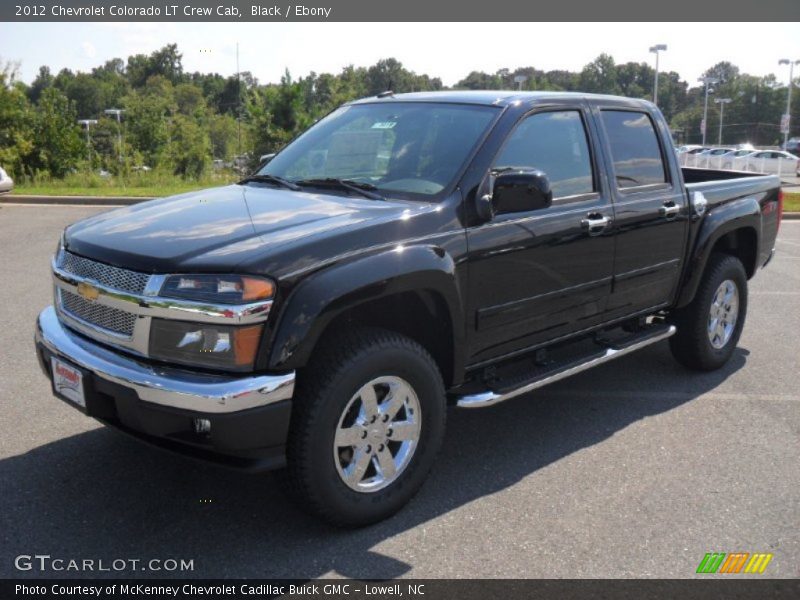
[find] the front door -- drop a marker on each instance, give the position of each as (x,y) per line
(537,275)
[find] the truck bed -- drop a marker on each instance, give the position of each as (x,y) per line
(723,187)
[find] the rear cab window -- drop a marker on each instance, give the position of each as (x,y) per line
(635,150)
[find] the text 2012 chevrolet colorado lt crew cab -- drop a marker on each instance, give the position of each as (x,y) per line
(404,253)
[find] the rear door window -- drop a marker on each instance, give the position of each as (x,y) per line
(635,150)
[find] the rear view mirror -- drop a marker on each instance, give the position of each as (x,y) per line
(517,189)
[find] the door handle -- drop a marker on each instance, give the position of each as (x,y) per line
(669,209)
(595,223)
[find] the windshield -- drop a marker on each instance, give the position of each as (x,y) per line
(413,148)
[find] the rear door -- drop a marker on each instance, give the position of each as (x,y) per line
(537,275)
(650,213)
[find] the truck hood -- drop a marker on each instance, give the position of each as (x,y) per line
(219,228)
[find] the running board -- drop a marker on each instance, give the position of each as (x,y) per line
(563,371)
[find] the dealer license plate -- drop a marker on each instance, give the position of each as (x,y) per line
(68,382)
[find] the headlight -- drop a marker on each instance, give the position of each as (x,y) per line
(224,347)
(219,289)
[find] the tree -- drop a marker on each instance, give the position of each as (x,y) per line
(223,136)
(43,80)
(387,74)
(88,94)
(600,76)
(16,123)
(635,80)
(189,100)
(190,148)
(57,142)
(724,71)
(165,62)
(180,121)
(147,117)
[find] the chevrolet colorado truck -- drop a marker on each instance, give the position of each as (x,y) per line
(406,253)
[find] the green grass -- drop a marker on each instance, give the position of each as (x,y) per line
(791,201)
(140,185)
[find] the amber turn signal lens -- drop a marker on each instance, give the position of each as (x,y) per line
(245,344)
(257,289)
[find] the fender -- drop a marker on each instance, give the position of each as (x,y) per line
(319,299)
(742,213)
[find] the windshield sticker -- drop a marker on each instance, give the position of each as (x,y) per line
(384,125)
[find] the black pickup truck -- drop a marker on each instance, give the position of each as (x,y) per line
(405,253)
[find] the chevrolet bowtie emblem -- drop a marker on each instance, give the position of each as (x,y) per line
(88,291)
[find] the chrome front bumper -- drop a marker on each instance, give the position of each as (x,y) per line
(176,388)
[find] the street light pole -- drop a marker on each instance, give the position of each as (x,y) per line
(238,105)
(655,50)
(706,81)
(722,102)
(118,113)
(87,123)
(786,61)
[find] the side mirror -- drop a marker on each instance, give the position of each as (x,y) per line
(264,160)
(518,189)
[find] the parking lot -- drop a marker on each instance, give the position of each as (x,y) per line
(634,469)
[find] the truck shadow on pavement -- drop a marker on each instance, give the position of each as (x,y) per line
(99,495)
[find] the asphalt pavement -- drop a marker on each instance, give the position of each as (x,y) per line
(634,469)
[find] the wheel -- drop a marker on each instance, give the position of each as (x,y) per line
(708,329)
(368,419)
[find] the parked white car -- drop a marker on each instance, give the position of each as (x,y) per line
(772,161)
(710,158)
(688,158)
(729,159)
(688,148)
(6,183)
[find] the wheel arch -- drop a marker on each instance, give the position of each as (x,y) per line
(412,292)
(733,229)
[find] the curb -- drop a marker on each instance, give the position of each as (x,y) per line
(87,200)
(792,216)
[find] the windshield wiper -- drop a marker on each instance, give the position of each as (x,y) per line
(359,187)
(270,179)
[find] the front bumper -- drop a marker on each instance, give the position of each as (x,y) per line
(249,415)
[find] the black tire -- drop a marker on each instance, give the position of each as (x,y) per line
(345,362)
(691,345)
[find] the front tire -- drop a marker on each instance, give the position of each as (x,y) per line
(368,420)
(709,328)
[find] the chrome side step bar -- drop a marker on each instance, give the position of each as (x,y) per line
(491,397)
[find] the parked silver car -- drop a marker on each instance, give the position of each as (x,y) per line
(773,161)
(6,183)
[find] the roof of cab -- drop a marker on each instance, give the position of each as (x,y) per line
(493,97)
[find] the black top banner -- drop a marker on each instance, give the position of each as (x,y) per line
(393,10)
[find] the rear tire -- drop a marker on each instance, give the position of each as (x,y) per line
(709,328)
(362,390)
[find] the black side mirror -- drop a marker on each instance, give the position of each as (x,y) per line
(518,189)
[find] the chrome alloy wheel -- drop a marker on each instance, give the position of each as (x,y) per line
(377,434)
(723,314)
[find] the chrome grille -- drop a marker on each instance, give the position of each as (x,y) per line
(123,280)
(111,319)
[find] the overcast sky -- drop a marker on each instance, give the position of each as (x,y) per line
(446,50)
